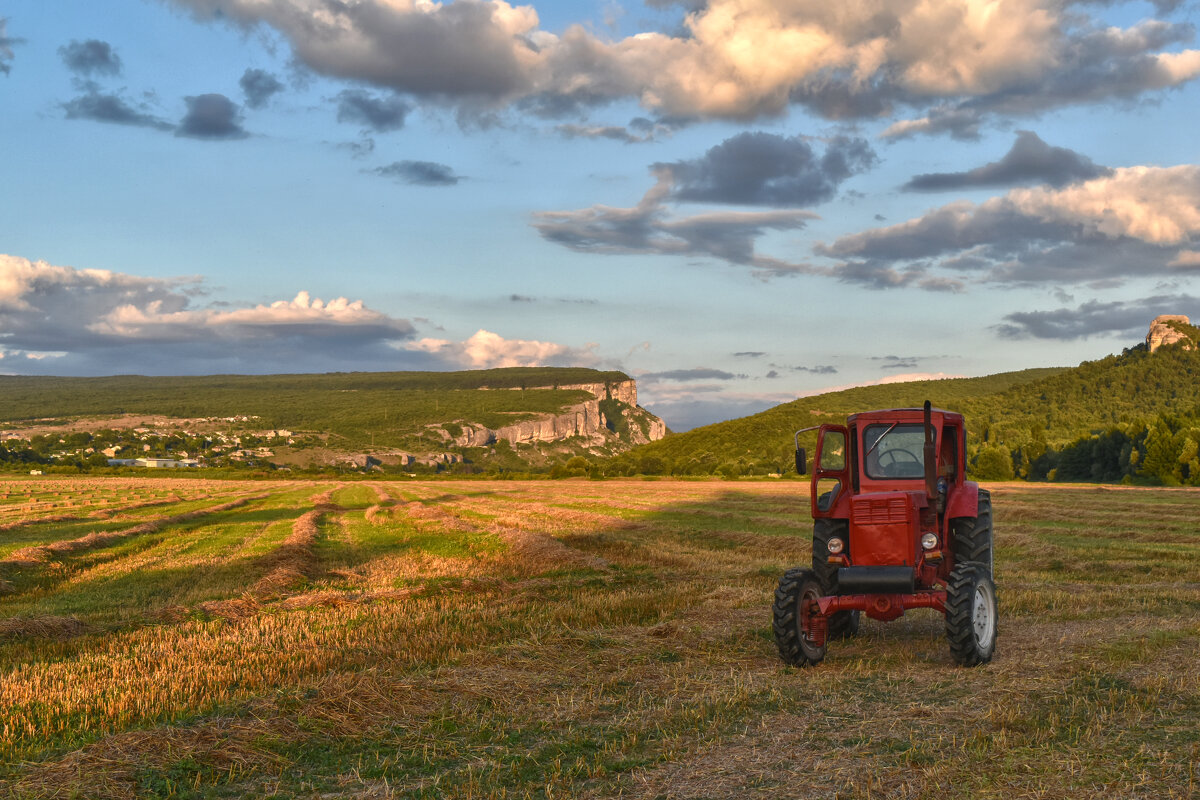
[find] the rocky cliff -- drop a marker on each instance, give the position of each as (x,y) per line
(632,424)
(1162,332)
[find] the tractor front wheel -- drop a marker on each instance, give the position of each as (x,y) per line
(971,614)
(793,612)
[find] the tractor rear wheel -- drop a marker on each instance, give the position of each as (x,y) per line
(971,614)
(795,602)
(973,537)
(842,624)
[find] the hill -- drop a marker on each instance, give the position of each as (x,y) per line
(505,417)
(1133,416)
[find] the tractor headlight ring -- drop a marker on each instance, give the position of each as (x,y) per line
(929,540)
(836,545)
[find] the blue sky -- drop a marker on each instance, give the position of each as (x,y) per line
(735,201)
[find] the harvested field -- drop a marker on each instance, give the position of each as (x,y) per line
(184,638)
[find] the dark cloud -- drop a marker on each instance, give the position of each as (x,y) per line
(211,116)
(897,362)
(113,109)
(6,46)
(359,149)
(841,95)
(639,131)
(750,354)
(615,132)
(694,5)
(90,57)
(1094,318)
(419,173)
(650,228)
(874,274)
(958,226)
(959,123)
(575,301)
(821,369)
(697,374)
(380,114)
(258,87)
(768,170)
(1030,160)
(772,374)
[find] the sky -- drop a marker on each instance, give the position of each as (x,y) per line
(736,202)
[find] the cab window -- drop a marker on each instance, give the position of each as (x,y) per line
(894,450)
(833,451)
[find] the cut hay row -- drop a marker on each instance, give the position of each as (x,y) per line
(42,627)
(293,561)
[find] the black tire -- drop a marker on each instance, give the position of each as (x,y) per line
(842,624)
(971,615)
(798,590)
(973,538)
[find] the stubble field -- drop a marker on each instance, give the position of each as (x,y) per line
(569,639)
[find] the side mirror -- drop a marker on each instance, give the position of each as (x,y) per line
(801,461)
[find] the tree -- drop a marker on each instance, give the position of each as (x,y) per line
(994,463)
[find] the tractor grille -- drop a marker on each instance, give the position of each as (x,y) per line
(868,511)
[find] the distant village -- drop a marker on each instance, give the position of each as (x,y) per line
(155,448)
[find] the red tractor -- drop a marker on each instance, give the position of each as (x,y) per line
(895,527)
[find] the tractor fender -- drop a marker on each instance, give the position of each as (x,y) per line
(964,502)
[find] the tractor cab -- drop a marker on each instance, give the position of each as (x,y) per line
(896,526)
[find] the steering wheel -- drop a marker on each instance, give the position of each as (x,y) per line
(895,466)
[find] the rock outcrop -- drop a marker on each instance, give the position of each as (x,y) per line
(1161,333)
(584,421)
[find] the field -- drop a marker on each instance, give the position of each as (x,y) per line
(588,639)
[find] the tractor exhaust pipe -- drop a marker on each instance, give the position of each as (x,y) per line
(930,454)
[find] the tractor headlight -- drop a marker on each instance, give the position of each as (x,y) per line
(929,540)
(836,545)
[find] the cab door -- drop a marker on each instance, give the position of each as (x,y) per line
(831,470)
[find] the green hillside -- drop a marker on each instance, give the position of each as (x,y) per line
(408,411)
(1132,416)
(295,400)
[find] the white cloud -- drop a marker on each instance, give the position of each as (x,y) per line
(97,321)
(1134,221)
(1158,205)
(487,350)
(1187,259)
(154,321)
(738,58)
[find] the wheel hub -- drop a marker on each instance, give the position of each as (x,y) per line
(983,616)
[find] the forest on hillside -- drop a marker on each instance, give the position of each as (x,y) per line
(1133,417)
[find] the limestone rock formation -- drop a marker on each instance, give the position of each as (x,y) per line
(1161,333)
(584,420)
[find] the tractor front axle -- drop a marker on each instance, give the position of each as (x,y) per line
(883,607)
